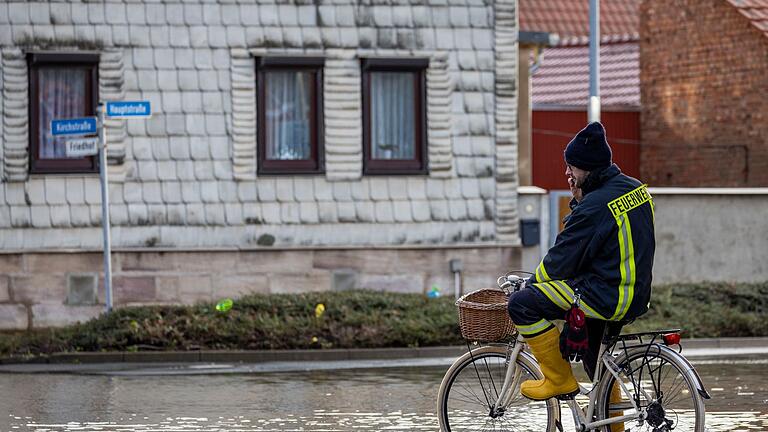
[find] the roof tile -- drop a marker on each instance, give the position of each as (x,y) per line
(563,77)
(754,10)
(570,19)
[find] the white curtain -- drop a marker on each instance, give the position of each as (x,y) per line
(392,117)
(288,111)
(62,96)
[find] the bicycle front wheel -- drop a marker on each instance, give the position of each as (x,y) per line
(472,385)
(665,386)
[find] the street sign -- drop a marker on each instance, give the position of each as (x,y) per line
(80,147)
(76,126)
(128,109)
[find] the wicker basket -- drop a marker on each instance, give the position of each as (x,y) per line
(483,316)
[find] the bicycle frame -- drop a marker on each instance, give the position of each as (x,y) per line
(512,377)
(580,417)
(511,387)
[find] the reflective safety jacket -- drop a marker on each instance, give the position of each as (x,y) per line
(605,250)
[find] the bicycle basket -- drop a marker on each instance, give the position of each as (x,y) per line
(483,316)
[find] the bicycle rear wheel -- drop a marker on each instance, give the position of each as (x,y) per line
(472,385)
(666,387)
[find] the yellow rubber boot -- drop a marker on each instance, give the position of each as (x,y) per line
(614,399)
(558,377)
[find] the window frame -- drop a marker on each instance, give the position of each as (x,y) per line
(316,164)
(35,61)
(419,165)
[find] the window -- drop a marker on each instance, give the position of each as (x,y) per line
(60,86)
(394,116)
(290,118)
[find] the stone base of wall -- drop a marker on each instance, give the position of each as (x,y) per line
(37,289)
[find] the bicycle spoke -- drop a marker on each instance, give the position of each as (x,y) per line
(471,394)
(490,376)
(663,390)
(465,408)
(675,392)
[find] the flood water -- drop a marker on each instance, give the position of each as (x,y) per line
(380,399)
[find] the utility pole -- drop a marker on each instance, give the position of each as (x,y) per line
(593,107)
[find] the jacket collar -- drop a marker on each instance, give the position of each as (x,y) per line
(599,177)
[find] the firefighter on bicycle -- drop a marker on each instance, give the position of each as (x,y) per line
(600,265)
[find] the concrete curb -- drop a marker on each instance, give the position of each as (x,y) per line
(234,356)
(241,356)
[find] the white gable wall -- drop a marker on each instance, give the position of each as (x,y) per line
(186,177)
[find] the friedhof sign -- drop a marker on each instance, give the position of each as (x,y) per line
(80,147)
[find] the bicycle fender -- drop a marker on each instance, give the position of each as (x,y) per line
(692,371)
(532,360)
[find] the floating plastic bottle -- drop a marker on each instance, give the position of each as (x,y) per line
(224,305)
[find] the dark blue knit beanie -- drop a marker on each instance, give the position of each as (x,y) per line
(589,150)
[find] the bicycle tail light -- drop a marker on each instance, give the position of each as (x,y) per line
(671,338)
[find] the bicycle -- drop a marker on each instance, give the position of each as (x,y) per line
(660,388)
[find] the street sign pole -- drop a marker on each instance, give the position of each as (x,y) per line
(115,110)
(105,208)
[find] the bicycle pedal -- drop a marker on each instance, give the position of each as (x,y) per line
(568,396)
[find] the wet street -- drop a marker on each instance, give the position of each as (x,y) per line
(374,399)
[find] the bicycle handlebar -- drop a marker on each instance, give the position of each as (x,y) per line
(510,283)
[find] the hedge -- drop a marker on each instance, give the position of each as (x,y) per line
(360,319)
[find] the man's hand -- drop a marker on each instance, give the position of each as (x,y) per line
(575,191)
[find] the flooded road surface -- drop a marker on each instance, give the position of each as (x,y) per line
(381,399)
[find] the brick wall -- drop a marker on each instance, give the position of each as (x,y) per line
(703,81)
(35,292)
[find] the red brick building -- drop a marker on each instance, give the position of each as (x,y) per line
(704,92)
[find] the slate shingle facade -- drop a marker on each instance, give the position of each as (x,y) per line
(184,181)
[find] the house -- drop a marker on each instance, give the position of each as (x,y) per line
(704,111)
(559,85)
(683,89)
(292,147)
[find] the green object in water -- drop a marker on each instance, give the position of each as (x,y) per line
(224,305)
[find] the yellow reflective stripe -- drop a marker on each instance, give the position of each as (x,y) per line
(622,267)
(552,295)
(568,291)
(653,205)
(626,267)
(632,270)
(564,289)
(533,328)
(541,273)
(544,272)
(559,293)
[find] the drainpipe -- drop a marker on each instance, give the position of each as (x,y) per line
(538,57)
(456,267)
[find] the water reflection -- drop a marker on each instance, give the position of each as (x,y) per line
(393,399)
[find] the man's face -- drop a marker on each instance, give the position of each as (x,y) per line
(575,175)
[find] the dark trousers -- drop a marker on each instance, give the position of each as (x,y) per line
(530,306)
